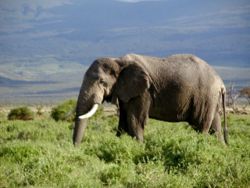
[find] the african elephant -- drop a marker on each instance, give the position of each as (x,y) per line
(177,88)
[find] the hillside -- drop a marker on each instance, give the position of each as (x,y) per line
(51,82)
(51,43)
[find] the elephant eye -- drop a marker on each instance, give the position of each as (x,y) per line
(105,84)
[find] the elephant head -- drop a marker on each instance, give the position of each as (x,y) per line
(98,85)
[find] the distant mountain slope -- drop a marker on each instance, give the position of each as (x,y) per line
(46,46)
(12,83)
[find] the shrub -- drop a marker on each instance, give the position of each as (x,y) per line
(21,113)
(39,111)
(64,111)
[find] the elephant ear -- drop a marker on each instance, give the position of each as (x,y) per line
(132,82)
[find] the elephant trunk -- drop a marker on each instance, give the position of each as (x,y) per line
(87,105)
(80,125)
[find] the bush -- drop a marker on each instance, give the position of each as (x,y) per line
(39,111)
(64,111)
(21,113)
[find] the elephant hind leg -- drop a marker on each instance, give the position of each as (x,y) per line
(216,127)
(208,119)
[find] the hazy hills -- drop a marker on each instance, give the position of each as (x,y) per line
(52,87)
(45,46)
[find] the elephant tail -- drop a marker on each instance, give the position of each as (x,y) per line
(225,130)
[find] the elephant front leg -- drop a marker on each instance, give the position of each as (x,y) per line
(123,125)
(137,115)
(135,127)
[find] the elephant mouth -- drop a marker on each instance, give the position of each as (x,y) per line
(108,98)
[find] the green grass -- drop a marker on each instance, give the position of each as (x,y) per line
(40,153)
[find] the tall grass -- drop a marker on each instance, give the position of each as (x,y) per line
(40,153)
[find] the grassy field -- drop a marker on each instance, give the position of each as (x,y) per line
(40,153)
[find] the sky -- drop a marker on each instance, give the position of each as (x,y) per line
(45,40)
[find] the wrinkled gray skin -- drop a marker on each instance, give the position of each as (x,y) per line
(176,88)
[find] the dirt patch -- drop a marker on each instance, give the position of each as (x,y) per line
(244,110)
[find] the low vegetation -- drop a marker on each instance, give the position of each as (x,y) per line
(21,113)
(39,153)
(64,111)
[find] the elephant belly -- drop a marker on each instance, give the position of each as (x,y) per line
(166,115)
(170,108)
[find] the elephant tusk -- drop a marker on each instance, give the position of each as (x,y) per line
(90,113)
